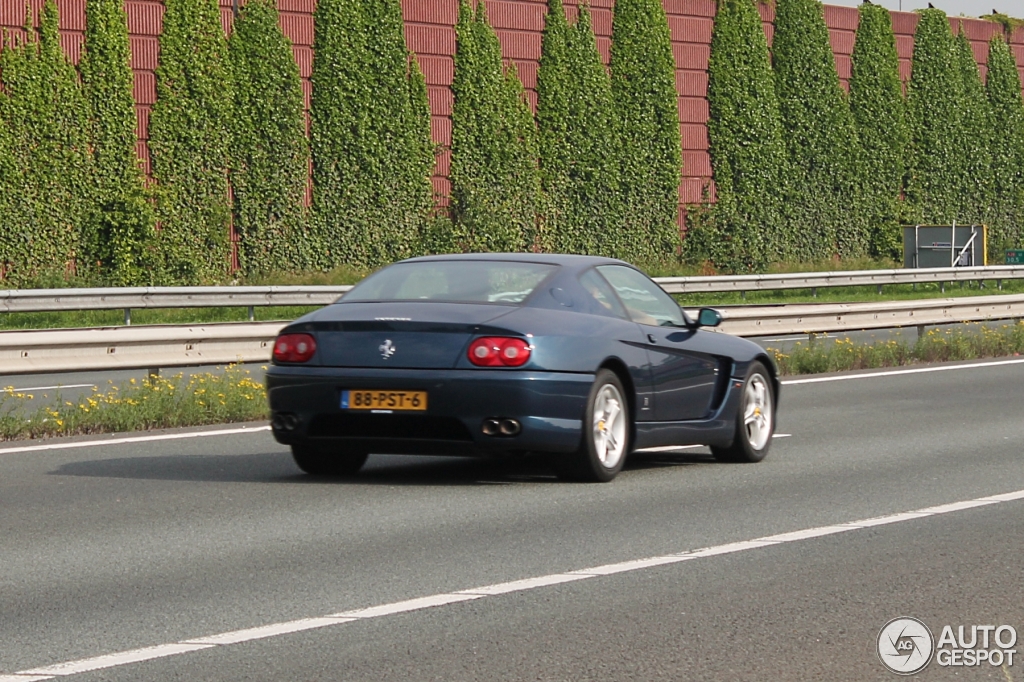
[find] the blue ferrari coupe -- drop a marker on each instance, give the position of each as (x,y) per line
(584,359)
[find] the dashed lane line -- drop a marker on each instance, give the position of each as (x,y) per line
(444,599)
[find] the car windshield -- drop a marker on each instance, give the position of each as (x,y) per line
(454,281)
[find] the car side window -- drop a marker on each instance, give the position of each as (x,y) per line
(645,301)
(597,287)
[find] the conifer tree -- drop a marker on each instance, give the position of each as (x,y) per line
(269,152)
(189,140)
(744,230)
(48,166)
(876,99)
(647,109)
(820,136)
(934,96)
(372,158)
(578,151)
(121,225)
(494,174)
(1006,229)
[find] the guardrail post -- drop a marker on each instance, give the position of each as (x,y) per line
(154,373)
(942,287)
(879,289)
(999,284)
(127,316)
(814,292)
(252,313)
(920,331)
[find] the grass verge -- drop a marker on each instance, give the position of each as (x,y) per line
(970,341)
(155,403)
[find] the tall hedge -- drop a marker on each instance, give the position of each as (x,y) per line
(876,100)
(371,163)
(1006,229)
(269,151)
(744,229)
(121,227)
(647,109)
(49,191)
(934,95)
(820,136)
(578,150)
(975,138)
(494,174)
(189,140)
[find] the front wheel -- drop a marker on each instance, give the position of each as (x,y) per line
(327,460)
(606,430)
(755,419)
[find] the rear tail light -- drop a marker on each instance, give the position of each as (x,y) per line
(294,348)
(499,351)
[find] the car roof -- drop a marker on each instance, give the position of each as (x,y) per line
(573,261)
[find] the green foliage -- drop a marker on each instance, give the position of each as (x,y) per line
(494,174)
(46,168)
(1006,227)
(269,151)
(578,150)
(121,224)
(189,139)
(974,139)
(934,96)
(744,229)
(372,155)
(876,100)
(647,112)
(820,136)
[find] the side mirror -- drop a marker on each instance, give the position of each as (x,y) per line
(709,317)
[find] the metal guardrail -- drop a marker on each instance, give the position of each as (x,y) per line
(127,299)
(852,278)
(26,352)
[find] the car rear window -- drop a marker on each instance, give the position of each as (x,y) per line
(453,281)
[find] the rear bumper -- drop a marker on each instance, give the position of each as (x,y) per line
(549,406)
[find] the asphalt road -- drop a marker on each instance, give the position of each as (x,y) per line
(116,547)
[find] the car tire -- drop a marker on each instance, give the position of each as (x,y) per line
(606,433)
(755,419)
(327,460)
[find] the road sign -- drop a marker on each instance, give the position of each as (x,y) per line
(1015,257)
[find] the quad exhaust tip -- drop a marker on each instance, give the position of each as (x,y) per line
(499,426)
(284,421)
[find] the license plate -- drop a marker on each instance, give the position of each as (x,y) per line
(384,400)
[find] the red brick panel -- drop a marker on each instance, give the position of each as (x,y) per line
(72,15)
(441,100)
(905,47)
(145,51)
(71,43)
(692,83)
(437,70)
(904,23)
(438,40)
(142,122)
(144,17)
(693,110)
(519,44)
(842,41)
(441,130)
(298,27)
(844,66)
(305,6)
(145,87)
(693,8)
(430,11)
(845,18)
(696,164)
(516,15)
(692,56)
(304,58)
(694,136)
(690,29)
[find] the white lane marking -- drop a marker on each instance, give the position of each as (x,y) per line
(48,388)
(407,605)
(895,372)
(527,584)
(114,660)
(136,439)
(274,629)
(623,567)
(268,631)
(673,448)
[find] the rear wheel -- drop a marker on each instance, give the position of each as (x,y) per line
(755,419)
(606,426)
(328,460)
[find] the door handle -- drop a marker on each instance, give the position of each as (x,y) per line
(652,338)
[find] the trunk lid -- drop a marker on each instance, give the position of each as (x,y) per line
(402,335)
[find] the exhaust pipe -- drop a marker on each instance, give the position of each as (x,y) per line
(510,427)
(284,421)
(491,427)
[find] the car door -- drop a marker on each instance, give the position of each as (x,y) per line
(683,379)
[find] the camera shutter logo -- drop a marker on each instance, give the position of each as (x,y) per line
(905,646)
